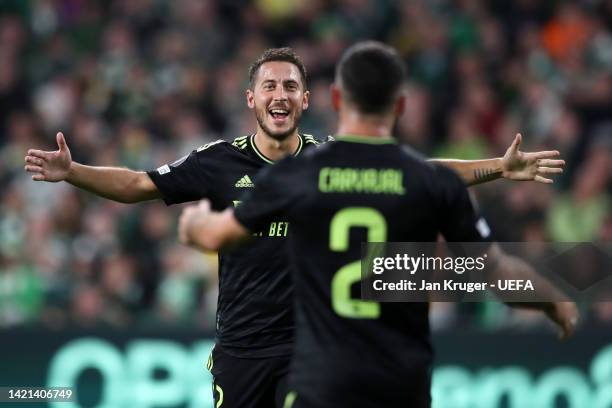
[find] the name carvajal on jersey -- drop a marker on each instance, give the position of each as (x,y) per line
(358,180)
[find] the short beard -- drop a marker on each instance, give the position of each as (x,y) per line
(278,136)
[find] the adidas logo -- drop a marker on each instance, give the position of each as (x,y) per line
(245,181)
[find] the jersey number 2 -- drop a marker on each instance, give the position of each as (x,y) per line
(346,276)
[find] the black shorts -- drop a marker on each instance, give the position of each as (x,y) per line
(352,387)
(248,382)
(294,400)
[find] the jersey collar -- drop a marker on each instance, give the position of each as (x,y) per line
(264,158)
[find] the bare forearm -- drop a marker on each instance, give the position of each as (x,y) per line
(512,267)
(205,234)
(115,183)
(214,231)
(474,171)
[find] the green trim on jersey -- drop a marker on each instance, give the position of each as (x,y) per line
(240,142)
(365,139)
(210,362)
(299,149)
(290,399)
(220,391)
(256,150)
(264,158)
(310,139)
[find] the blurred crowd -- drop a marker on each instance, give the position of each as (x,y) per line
(141,83)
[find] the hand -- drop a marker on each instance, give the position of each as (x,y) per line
(565,316)
(191,218)
(51,166)
(517,165)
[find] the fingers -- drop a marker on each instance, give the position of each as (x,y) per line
(549,170)
(543,180)
(549,162)
(516,142)
(548,167)
(565,330)
(38,153)
(573,325)
(39,176)
(542,171)
(204,206)
(34,165)
(546,154)
(33,169)
(34,160)
(568,328)
(61,141)
(567,317)
(183,225)
(191,219)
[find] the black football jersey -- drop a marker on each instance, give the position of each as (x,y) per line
(254,309)
(336,197)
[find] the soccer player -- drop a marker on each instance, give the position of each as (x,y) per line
(363,187)
(255,324)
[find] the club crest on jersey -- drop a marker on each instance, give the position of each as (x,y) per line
(245,181)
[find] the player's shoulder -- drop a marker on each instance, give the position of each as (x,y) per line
(241,142)
(212,146)
(444,180)
(313,141)
(410,154)
(446,175)
(431,175)
(310,144)
(314,150)
(435,169)
(310,139)
(222,146)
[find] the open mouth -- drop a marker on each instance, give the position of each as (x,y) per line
(279,115)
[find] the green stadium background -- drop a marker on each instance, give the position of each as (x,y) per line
(101,294)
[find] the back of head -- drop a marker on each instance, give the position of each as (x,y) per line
(371,76)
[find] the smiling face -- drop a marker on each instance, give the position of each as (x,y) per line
(278,98)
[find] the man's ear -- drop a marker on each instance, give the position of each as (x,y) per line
(305,100)
(250,97)
(336,96)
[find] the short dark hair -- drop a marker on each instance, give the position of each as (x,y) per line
(285,54)
(371,74)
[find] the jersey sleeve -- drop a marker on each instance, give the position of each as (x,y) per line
(460,219)
(189,178)
(275,193)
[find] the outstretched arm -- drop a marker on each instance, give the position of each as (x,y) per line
(515,165)
(560,310)
(115,183)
